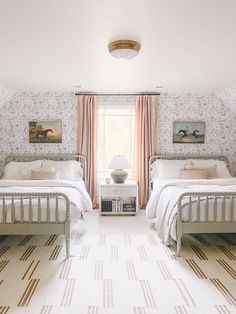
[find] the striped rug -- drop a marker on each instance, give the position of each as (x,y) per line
(117,265)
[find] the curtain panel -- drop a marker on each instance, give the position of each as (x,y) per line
(87,139)
(147,141)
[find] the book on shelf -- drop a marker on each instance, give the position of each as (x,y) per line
(129,208)
(106,205)
(118,204)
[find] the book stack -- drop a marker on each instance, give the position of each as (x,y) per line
(106,205)
(118,205)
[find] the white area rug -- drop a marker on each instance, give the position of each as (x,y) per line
(118,265)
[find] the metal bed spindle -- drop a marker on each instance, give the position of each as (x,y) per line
(21,209)
(206,213)
(30,209)
(57,214)
(3,210)
(232,208)
(48,209)
(12,208)
(223,209)
(39,210)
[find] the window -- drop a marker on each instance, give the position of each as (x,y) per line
(115,134)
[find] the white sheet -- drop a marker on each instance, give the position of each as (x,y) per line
(74,190)
(162,205)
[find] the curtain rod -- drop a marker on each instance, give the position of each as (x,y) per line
(116,94)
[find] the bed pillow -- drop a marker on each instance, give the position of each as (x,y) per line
(44,173)
(210,171)
(68,170)
(168,169)
(193,174)
(20,170)
(222,170)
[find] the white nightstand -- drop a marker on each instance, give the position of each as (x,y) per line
(118,198)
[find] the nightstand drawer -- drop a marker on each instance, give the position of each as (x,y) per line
(118,192)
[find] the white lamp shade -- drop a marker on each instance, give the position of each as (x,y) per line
(119,162)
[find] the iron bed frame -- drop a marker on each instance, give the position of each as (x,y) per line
(40,227)
(197,226)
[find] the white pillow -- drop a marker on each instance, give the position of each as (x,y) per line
(68,170)
(168,169)
(211,171)
(222,170)
(44,173)
(20,170)
(193,174)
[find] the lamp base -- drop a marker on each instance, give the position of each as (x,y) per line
(119,175)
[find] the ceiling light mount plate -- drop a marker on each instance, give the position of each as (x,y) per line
(124,48)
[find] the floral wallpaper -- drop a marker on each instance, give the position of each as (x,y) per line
(220,123)
(17,109)
(228,96)
(6,93)
(16,113)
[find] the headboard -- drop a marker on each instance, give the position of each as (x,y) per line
(180,157)
(82,159)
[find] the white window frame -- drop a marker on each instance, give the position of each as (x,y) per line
(130,107)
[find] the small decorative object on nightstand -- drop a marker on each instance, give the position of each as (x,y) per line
(118,198)
(119,163)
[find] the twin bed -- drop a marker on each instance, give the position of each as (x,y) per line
(191,194)
(42,194)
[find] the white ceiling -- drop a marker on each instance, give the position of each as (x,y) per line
(187,45)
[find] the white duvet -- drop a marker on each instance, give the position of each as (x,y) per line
(162,205)
(74,190)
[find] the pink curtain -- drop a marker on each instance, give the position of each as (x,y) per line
(87,139)
(147,141)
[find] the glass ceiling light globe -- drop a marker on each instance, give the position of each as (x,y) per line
(124,53)
(124,48)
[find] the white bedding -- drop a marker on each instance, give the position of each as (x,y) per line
(74,190)
(162,205)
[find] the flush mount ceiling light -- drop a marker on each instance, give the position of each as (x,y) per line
(124,48)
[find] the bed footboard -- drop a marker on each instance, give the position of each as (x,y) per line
(219,200)
(11,224)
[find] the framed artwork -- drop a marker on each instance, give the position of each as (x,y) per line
(187,132)
(45,131)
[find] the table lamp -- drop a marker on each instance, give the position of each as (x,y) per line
(119,163)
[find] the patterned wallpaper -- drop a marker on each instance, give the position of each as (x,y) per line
(6,93)
(228,96)
(220,123)
(18,111)
(218,111)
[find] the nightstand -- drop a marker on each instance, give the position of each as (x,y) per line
(118,198)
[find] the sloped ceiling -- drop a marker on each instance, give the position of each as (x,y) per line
(53,45)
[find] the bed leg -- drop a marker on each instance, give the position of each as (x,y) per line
(178,247)
(67,247)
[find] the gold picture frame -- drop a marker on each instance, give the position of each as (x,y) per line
(47,131)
